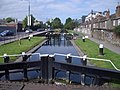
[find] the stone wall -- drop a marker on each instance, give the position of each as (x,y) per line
(104,35)
(107,36)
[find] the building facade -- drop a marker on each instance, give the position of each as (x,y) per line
(13,26)
(101,25)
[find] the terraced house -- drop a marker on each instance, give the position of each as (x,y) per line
(101,25)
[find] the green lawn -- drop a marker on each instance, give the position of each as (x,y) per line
(15,48)
(92,50)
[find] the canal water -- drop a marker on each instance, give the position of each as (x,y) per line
(54,45)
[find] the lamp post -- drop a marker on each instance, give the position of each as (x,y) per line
(29,16)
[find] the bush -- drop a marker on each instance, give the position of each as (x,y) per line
(117,29)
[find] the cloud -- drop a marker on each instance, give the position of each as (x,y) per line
(54,8)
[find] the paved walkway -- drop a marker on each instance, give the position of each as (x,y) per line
(107,45)
(6,85)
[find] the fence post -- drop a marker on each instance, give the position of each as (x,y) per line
(69,60)
(51,69)
(46,68)
(24,56)
(6,60)
(84,60)
(25,66)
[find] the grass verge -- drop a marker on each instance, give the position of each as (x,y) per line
(15,48)
(91,49)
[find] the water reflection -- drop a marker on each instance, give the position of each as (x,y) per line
(53,45)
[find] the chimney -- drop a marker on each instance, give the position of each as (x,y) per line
(118,10)
(107,14)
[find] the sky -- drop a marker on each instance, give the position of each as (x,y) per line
(44,10)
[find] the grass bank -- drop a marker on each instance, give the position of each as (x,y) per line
(15,48)
(92,50)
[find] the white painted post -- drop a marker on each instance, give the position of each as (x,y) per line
(101,49)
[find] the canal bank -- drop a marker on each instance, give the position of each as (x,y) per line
(57,46)
(80,52)
(32,50)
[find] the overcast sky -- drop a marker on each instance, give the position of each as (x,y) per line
(46,9)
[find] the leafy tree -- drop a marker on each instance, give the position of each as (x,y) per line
(117,30)
(71,23)
(24,22)
(9,19)
(39,25)
(56,23)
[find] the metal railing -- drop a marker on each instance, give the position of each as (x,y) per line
(65,55)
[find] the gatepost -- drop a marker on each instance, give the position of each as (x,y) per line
(69,60)
(6,60)
(25,66)
(84,59)
(46,68)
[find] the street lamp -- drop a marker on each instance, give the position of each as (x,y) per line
(29,15)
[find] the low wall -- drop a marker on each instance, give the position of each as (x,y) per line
(103,35)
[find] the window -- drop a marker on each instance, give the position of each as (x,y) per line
(114,23)
(119,21)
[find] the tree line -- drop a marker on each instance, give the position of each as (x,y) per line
(53,23)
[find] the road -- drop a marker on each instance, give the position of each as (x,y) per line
(20,35)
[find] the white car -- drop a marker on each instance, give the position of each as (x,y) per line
(29,31)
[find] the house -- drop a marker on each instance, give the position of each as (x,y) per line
(13,26)
(101,25)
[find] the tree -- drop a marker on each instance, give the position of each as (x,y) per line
(24,22)
(71,23)
(38,24)
(9,19)
(117,30)
(56,23)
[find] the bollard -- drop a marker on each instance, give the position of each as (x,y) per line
(84,60)
(24,56)
(29,38)
(83,38)
(46,69)
(6,60)
(69,60)
(101,49)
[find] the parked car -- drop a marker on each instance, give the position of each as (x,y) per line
(40,29)
(6,33)
(28,31)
